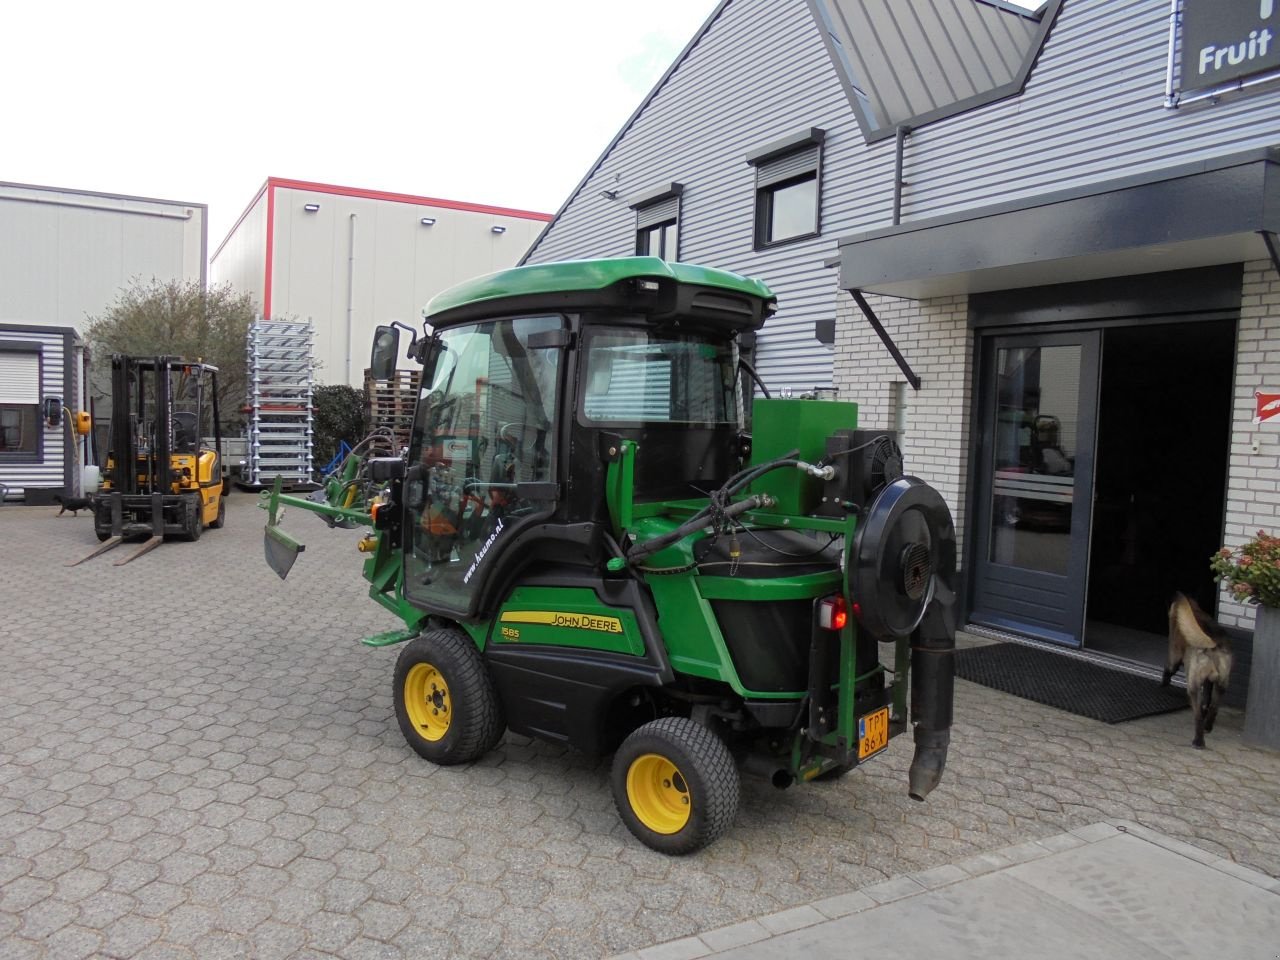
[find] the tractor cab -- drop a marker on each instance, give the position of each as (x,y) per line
(509,450)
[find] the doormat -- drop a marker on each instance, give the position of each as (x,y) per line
(1077,686)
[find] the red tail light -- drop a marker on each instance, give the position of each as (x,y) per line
(833,613)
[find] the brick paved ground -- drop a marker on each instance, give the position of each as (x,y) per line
(197,760)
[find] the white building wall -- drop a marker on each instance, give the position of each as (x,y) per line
(1253,478)
(935,337)
(240,259)
(65,255)
(361,260)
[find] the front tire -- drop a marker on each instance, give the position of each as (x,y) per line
(445,701)
(222,513)
(675,785)
(192,521)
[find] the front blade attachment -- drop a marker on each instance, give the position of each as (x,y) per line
(281,550)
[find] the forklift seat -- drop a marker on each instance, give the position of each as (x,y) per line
(184,432)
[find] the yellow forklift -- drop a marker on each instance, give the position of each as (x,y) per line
(161,477)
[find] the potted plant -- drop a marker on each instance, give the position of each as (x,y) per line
(1251,574)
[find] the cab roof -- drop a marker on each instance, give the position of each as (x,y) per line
(650,286)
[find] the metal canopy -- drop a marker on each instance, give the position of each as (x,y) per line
(1194,215)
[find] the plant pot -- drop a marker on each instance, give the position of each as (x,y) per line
(1262,709)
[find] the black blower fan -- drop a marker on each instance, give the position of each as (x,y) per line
(902,580)
(903,553)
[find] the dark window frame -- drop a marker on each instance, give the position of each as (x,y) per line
(784,163)
(37,454)
(658,211)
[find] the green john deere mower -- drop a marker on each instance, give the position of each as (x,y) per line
(587,545)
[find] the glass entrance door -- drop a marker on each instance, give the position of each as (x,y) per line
(1035,479)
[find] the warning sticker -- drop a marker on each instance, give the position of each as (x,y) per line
(1266,406)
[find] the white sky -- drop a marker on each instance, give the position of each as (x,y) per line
(506,102)
(503,102)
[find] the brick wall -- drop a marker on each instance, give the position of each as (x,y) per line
(934,337)
(1253,479)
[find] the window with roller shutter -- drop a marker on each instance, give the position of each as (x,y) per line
(19,404)
(788,188)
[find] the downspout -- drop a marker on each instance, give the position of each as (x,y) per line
(898,182)
(351,287)
(1170,96)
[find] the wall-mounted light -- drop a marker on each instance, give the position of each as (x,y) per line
(609,194)
(428,221)
(498,228)
(311,207)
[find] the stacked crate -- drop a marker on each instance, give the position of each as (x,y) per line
(391,403)
(281,370)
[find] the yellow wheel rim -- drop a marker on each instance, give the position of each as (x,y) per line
(659,794)
(426,700)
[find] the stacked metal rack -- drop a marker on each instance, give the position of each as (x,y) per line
(391,403)
(280,372)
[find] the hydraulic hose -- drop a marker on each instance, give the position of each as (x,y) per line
(718,503)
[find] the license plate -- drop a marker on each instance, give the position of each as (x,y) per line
(873,733)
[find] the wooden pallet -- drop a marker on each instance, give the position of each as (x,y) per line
(391,403)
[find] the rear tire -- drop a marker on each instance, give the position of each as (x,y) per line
(222,513)
(445,701)
(675,785)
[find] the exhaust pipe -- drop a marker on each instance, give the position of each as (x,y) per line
(759,766)
(932,691)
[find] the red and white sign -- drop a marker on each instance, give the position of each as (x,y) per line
(1267,405)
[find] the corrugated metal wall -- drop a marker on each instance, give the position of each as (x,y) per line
(760,73)
(48,472)
(65,255)
(1091,111)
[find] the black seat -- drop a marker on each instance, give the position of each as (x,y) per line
(185,434)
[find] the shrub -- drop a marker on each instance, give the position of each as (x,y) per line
(339,415)
(1252,571)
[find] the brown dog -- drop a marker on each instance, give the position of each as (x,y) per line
(1199,642)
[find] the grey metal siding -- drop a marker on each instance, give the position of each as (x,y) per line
(49,471)
(758,74)
(1092,110)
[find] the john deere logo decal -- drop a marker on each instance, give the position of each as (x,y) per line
(574,621)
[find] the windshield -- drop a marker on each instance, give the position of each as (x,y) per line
(634,375)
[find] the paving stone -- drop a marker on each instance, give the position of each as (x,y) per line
(793,919)
(260,782)
(738,934)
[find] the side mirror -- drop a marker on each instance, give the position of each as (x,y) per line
(427,352)
(386,347)
(52,410)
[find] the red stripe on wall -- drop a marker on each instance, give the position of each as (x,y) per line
(406,198)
